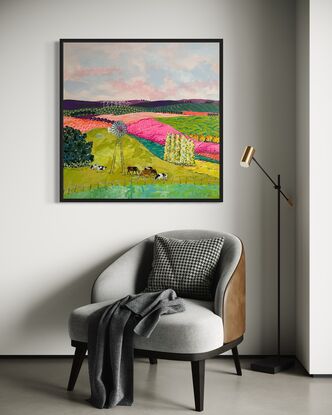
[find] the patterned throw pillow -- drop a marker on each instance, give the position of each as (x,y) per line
(186,266)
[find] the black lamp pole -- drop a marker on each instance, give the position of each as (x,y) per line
(274,364)
(279,190)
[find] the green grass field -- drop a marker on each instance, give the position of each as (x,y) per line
(150,191)
(83,179)
(204,125)
(186,106)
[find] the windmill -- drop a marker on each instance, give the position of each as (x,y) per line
(118,129)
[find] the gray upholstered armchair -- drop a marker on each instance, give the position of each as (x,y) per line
(205,329)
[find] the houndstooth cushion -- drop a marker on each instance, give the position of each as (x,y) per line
(186,266)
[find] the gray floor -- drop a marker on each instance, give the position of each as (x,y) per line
(37,387)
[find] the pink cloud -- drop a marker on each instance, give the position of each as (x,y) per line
(79,72)
(139,88)
(198,89)
(177,56)
(136,87)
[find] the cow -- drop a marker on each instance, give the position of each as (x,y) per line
(161,176)
(148,172)
(98,167)
(132,170)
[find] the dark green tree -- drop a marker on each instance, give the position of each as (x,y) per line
(76,149)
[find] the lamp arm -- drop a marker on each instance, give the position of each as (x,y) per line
(276,186)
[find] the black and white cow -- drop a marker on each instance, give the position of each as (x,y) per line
(97,167)
(161,176)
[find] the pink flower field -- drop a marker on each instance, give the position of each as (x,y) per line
(83,124)
(137,116)
(156,131)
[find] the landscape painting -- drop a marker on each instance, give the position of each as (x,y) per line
(141,120)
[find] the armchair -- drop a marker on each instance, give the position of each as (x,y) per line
(204,330)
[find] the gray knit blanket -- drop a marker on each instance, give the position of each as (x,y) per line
(110,343)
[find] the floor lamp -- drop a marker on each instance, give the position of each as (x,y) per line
(273,364)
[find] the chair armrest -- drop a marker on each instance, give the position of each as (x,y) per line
(126,275)
(229,302)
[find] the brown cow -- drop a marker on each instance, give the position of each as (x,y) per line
(148,172)
(132,170)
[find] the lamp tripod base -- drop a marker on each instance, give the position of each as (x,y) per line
(272,365)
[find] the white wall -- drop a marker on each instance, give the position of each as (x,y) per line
(52,252)
(302,183)
(313,150)
(320,186)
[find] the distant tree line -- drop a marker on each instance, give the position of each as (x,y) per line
(114,109)
(212,109)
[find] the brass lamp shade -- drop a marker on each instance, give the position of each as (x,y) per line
(247,156)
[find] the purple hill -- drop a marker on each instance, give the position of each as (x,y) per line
(72,104)
(172,102)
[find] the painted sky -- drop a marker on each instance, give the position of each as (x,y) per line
(151,71)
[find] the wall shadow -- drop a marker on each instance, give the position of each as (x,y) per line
(57,161)
(49,316)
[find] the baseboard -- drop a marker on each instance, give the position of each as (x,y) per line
(229,356)
(300,364)
(70,356)
(316,375)
(36,356)
(254,356)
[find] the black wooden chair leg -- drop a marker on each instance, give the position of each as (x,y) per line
(198,374)
(153,360)
(77,364)
(237,361)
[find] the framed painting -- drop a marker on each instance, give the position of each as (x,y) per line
(141,120)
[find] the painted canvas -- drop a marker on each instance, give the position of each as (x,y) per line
(141,120)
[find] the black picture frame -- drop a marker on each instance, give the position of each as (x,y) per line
(221,127)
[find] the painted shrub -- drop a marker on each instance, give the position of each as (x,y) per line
(179,150)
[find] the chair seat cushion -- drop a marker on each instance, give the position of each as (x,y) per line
(196,330)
